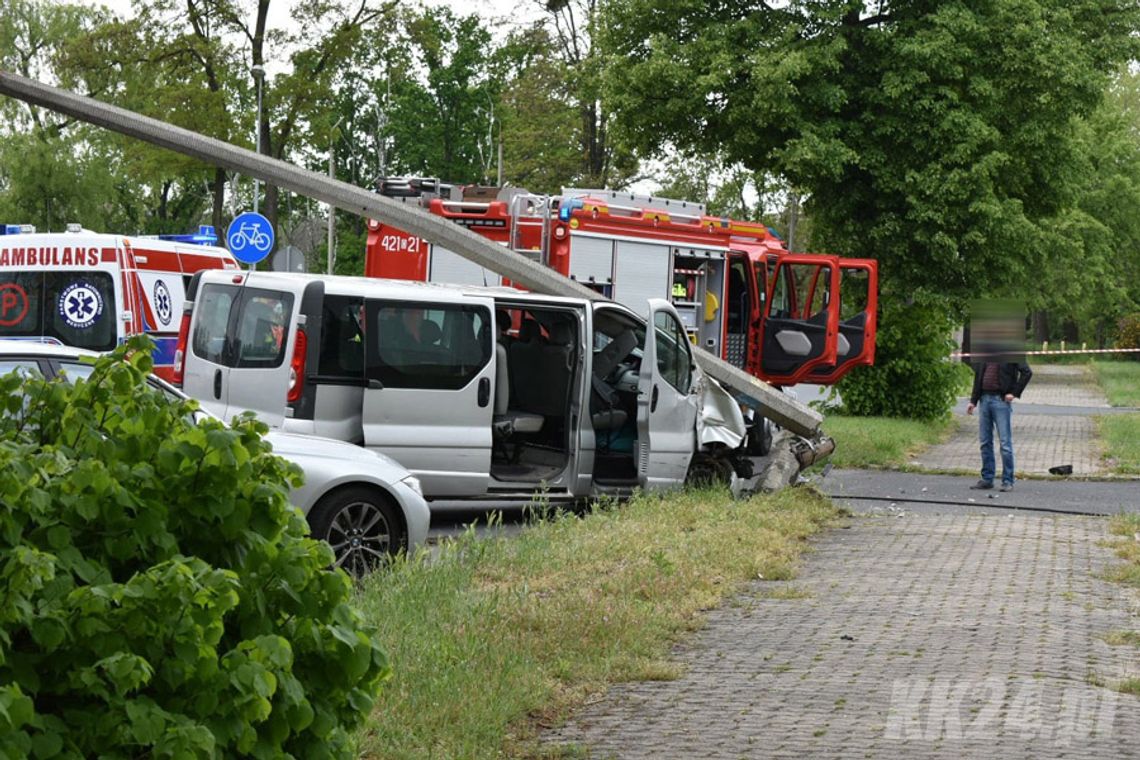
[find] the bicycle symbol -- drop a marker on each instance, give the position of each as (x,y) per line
(251,234)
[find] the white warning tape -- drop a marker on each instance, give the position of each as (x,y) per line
(1055,353)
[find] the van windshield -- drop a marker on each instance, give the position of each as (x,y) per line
(73,308)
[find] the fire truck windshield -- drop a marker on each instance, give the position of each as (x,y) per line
(74,308)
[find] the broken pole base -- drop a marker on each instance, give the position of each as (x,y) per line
(789,455)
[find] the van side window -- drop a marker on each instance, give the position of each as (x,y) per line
(342,338)
(263,328)
(674,362)
(213,307)
(427,345)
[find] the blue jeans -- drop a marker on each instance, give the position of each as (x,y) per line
(995,411)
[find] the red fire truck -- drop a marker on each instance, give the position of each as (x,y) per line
(91,290)
(783,317)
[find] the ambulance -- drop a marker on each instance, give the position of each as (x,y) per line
(90,290)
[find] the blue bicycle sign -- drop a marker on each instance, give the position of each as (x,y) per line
(250,237)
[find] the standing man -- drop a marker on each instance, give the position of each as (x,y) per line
(996,385)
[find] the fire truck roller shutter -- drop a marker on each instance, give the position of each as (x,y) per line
(642,271)
(447,266)
(592,260)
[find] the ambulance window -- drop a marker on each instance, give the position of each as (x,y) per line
(263,329)
(213,312)
(427,345)
(82,309)
(74,308)
(342,339)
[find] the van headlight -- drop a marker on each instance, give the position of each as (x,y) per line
(413,483)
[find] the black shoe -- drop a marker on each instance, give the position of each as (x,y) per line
(1007,486)
(982,485)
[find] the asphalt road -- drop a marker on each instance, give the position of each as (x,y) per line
(882,491)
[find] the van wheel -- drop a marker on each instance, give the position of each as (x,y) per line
(362,527)
(706,470)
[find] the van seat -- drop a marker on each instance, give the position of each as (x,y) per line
(542,370)
(508,421)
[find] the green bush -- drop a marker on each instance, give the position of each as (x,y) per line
(1128,334)
(912,376)
(158,594)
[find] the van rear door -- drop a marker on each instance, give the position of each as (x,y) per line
(239,350)
(206,373)
(666,403)
(263,337)
(429,400)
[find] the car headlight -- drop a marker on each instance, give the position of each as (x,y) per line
(413,483)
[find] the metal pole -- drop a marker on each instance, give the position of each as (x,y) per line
(532,275)
(258,73)
(332,213)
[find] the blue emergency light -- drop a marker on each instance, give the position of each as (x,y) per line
(567,207)
(204,236)
(17,229)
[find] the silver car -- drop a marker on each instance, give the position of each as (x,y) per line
(364,504)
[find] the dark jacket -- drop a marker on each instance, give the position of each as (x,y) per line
(1012,376)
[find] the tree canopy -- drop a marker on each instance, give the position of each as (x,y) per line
(932,136)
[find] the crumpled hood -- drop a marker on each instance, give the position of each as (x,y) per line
(720,419)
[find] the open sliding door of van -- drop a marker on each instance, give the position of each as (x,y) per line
(666,403)
(429,399)
(858,306)
(801,318)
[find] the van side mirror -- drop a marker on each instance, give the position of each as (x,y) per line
(375,385)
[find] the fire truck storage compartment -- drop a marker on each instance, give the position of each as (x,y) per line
(641,271)
(448,266)
(592,260)
(700,273)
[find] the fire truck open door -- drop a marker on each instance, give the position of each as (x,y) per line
(666,400)
(858,306)
(800,326)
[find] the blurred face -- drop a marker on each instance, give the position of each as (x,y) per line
(997,329)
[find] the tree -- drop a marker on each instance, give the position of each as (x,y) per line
(440,121)
(935,137)
(47,176)
(540,124)
(605,160)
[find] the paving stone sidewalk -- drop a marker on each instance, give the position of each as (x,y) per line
(911,637)
(1040,441)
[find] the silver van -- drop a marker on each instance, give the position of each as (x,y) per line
(480,392)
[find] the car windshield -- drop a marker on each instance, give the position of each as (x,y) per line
(73,308)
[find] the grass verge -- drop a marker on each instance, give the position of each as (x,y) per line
(882,441)
(1122,638)
(496,638)
(1121,435)
(1127,547)
(1120,381)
